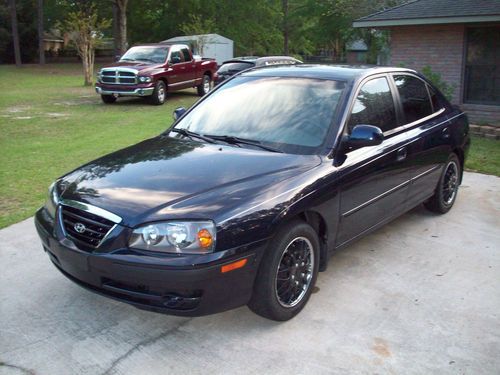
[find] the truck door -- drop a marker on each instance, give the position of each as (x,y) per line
(180,76)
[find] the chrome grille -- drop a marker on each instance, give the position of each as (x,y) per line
(83,227)
(118,76)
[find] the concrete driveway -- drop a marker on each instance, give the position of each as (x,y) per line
(420,296)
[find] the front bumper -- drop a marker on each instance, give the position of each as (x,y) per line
(145,282)
(142,91)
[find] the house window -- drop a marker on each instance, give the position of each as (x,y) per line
(482,66)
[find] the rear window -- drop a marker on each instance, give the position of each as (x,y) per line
(414,97)
(235,67)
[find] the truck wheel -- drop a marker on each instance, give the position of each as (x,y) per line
(159,93)
(108,99)
(287,273)
(206,85)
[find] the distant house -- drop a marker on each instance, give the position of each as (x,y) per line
(214,46)
(460,39)
(356,52)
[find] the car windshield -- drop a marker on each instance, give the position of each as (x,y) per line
(148,54)
(235,67)
(287,113)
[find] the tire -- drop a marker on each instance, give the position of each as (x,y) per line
(108,99)
(206,85)
(159,94)
(286,263)
(447,188)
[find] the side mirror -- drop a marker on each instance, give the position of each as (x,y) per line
(175,59)
(178,112)
(118,57)
(363,136)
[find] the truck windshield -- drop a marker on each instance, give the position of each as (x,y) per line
(288,113)
(147,54)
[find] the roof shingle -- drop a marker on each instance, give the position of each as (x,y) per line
(435,9)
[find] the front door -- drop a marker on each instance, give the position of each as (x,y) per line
(181,75)
(373,180)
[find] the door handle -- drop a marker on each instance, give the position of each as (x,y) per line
(445,133)
(401,154)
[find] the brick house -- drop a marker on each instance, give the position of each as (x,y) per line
(459,39)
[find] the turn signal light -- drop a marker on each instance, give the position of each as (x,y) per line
(205,238)
(233,266)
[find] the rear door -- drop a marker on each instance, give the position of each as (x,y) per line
(428,131)
(373,180)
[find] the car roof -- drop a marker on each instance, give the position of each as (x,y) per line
(153,45)
(240,60)
(334,72)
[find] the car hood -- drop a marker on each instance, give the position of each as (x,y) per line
(169,178)
(140,66)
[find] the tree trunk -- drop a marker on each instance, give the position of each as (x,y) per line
(85,52)
(285,27)
(41,50)
(15,32)
(122,25)
(116,31)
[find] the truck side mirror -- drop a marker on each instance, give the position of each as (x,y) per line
(178,112)
(175,59)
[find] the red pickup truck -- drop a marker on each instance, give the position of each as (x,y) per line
(152,70)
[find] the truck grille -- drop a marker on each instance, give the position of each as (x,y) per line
(118,77)
(83,227)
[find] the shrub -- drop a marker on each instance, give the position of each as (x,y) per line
(446,88)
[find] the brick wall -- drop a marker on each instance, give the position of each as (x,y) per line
(442,48)
(439,46)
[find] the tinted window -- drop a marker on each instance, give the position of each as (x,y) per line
(176,57)
(235,67)
(185,53)
(374,106)
(414,97)
(294,114)
(436,103)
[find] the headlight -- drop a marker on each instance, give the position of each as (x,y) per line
(181,237)
(144,79)
(52,200)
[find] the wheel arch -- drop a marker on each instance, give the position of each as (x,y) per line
(461,158)
(318,223)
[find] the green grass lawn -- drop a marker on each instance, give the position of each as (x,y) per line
(484,156)
(51,124)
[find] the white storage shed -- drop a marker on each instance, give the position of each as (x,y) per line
(214,46)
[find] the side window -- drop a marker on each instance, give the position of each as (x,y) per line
(374,106)
(414,97)
(436,103)
(185,53)
(176,57)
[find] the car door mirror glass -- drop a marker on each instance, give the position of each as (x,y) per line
(363,136)
(178,112)
(175,59)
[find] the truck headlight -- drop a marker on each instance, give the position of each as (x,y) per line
(178,237)
(144,79)
(52,200)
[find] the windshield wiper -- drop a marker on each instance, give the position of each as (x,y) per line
(188,133)
(241,141)
(126,59)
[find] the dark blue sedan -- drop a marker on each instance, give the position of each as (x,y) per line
(245,197)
